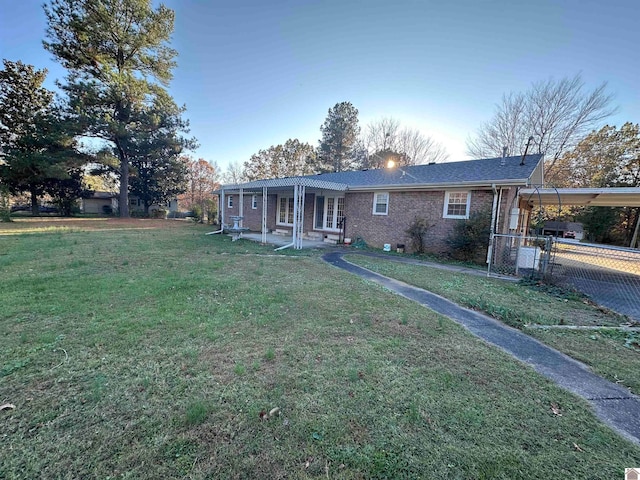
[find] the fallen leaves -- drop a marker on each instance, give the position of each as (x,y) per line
(556,409)
(577,447)
(7,406)
(272,413)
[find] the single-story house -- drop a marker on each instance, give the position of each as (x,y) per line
(99,202)
(379,205)
(107,202)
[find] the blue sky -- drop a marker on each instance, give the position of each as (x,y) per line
(255,73)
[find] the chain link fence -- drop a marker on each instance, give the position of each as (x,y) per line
(610,276)
(517,255)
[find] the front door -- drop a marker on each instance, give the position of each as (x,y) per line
(329,210)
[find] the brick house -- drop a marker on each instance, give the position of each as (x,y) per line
(379,205)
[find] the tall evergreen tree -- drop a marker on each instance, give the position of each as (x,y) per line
(119,61)
(340,132)
(37,142)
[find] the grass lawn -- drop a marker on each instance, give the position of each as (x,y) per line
(613,354)
(145,349)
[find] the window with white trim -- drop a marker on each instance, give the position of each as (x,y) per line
(456,205)
(254,202)
(230,201)
(285,211)
(381,203)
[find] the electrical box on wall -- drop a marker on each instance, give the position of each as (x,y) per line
(513,219)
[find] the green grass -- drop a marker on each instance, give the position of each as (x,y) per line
(158,353)
(520,304)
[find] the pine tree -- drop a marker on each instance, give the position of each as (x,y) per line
(340,133)
(119,61)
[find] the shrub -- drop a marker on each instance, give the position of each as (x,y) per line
(417,233)
(470,238)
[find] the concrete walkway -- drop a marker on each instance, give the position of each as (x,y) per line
(613,404)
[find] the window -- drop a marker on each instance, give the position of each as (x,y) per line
(230,201)
(381,203)
(456,205)
(254,202)
(285,211)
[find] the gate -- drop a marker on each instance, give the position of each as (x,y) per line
(519,255)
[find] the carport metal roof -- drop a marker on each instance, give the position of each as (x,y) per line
(593,197)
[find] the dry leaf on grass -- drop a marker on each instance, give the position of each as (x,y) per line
(7,406)
(556,409)
(577,447)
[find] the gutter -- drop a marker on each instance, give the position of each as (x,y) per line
(440,186)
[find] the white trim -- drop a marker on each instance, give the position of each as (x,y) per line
(254,202)
(375,203)
(290,200)
(230,201)
(445,209)
(336,199)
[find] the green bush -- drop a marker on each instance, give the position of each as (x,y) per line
(470,238)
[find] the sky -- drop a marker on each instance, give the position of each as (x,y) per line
(255,73)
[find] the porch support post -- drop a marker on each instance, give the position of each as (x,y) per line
(241,207)
(264,214)
(222,205)
(298,216)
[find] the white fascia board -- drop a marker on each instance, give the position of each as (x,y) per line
(440,186)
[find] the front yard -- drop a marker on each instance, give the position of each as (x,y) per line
(145,349)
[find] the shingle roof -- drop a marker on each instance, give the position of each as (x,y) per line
(484,171)
(471,171)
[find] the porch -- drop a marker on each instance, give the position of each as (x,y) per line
(284,240)
(298,205)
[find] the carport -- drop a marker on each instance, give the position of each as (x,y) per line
(590,197)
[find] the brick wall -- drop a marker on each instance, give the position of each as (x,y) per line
(404,208)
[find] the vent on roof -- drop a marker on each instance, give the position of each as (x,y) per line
(431,163)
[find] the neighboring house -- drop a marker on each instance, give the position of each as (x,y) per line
(107,202)
(137,205)
(379,205)
(99,202)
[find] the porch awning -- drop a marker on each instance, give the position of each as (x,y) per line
(258,185)
(593,197)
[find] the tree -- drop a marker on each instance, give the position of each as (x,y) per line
(234,174)
(202,181)
(340,132)
(65,192)
(386,140)
(609,157)
(37,142)
(289,160)
(158,173)
(118,58)
(555,113)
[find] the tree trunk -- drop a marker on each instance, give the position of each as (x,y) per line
(35,211)
(123,199)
